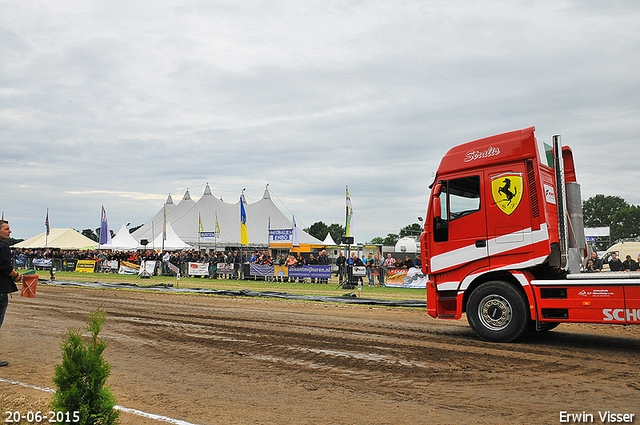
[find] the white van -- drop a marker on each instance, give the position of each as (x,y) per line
(622,249)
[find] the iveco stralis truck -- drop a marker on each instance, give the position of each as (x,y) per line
(504,242)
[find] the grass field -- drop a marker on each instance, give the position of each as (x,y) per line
(332,289)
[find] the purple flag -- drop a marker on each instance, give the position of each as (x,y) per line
(105,233)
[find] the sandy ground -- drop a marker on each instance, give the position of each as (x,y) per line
(222,360)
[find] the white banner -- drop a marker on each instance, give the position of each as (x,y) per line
(173,268)
(207,234)
(412,278)
(111,264)
(281,236)
(359,271)
(198,269)
(41,262)
(147,266)
(127,270)
(224,268)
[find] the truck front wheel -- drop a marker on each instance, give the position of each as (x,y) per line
(497,312)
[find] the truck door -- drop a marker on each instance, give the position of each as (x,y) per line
(459,228)
(509,216)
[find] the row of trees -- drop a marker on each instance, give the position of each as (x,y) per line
(614,212)
(414,229)
(320,230)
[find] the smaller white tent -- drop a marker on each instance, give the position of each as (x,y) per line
(122,241)
(328,241)
(172,243)
(59,238)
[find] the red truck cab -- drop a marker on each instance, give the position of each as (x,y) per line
(496,224)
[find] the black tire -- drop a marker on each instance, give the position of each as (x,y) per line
(498,312)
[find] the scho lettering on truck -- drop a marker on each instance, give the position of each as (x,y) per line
(621,315)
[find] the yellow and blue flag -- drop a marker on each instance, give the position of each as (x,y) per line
(349,214)
(244,238)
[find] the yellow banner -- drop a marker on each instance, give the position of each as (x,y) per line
(131,265)
(282,271)
(86,266)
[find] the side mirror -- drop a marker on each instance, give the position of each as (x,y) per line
(437,189)
(436,208)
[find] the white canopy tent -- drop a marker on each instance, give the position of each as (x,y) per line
(328,241)
(172,243)
(122,241)
(59,238)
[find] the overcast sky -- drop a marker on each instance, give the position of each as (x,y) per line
(121,103)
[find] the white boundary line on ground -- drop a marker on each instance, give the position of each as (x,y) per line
(123,409)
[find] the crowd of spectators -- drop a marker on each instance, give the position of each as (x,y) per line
(594,264)
(234,260)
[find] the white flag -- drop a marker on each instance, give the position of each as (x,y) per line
(295,233)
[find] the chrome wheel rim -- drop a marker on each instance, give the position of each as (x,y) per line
(495,312)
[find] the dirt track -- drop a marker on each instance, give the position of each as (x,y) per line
(218,360)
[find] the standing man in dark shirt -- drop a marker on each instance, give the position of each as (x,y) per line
(629,265)
(8,276)
(615,265)
(341,262)
(597,263)
(323,260)
(236,264)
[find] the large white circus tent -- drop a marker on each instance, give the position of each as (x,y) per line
(214,216)
(263,216)
(205,211)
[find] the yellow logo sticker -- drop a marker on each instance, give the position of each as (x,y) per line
(506,189)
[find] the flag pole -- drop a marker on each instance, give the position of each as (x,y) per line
(46,238)
(164,226)
(346,220)
(244,238)
(100,235)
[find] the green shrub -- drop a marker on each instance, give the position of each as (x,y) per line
(80,379)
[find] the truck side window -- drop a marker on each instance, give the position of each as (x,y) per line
(464,196)
(441,224)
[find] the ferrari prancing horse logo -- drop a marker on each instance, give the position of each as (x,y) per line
(506,189)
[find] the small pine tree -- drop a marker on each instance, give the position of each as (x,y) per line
(80,378)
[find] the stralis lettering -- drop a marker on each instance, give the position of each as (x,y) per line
(473,155)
